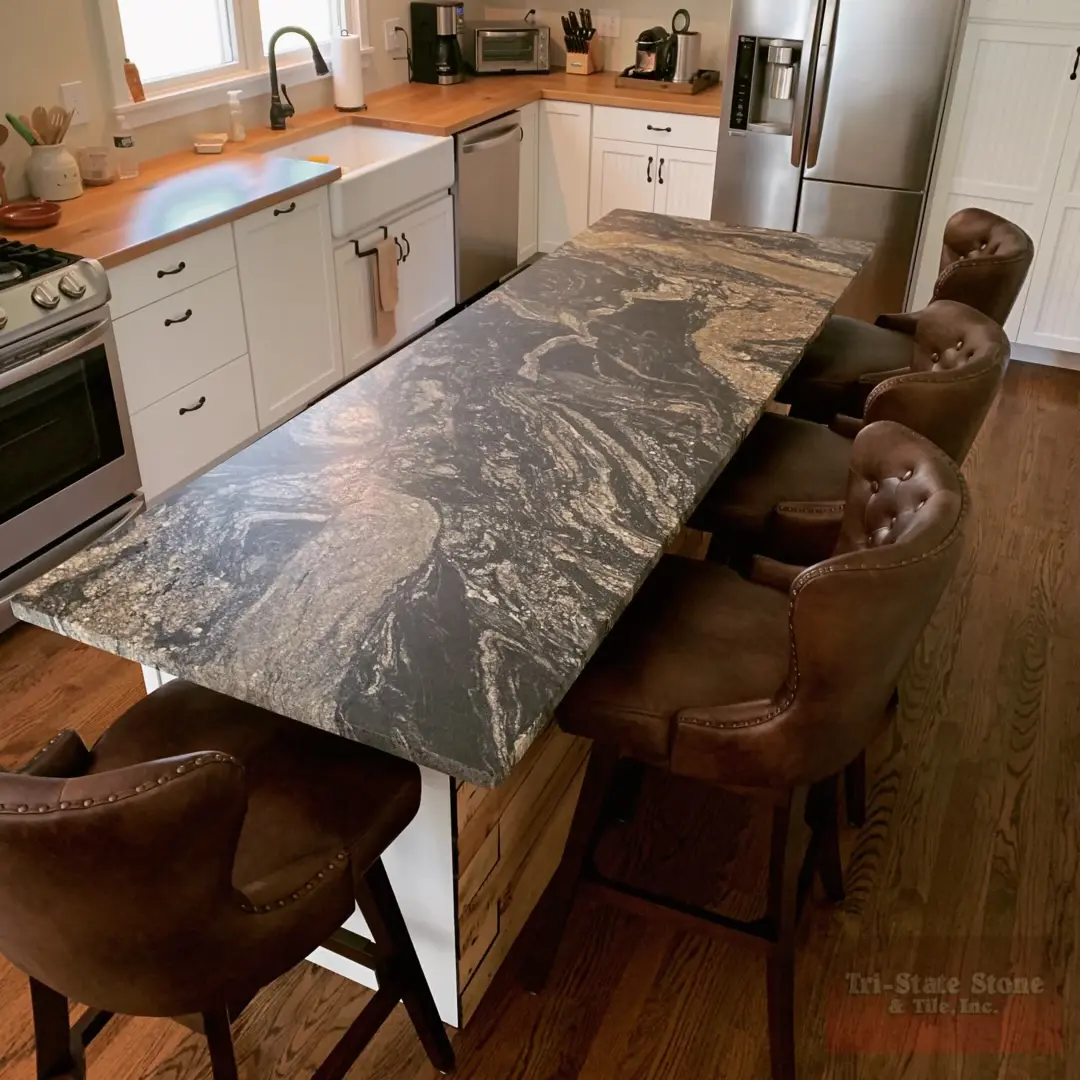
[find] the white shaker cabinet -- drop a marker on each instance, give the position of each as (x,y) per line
(1004,140)
(286,261)
(1061,12)
(622,176)
(529,182)
(565,129)
(684,182)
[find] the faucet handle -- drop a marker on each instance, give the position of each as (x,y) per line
(289,110)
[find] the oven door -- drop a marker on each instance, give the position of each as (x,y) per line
(507,51)
(66,452)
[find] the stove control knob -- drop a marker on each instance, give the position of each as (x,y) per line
(72,285)
(45,296)
(3,318)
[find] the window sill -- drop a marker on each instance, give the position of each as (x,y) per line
(190,99)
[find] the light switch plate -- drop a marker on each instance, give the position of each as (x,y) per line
(73,98)
(395,40)
(607,23)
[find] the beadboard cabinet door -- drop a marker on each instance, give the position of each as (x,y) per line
(1008,118)
(286,261)
(1060,12)
(684,182)
(622,177)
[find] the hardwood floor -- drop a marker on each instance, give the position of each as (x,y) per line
(970,859)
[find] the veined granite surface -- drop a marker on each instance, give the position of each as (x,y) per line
(425,560)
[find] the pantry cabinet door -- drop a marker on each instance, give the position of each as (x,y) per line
(1008,118)
(684,182)
(623,177)
(1052,313)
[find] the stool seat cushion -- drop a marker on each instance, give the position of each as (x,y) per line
(842,365)
(782,460)
(310,794)
(696,634)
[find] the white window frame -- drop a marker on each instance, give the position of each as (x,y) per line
(169,98)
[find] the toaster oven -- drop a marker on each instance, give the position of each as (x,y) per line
(502,47)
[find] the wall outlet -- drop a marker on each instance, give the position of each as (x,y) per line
(607,23)
(73,98)
(394,39)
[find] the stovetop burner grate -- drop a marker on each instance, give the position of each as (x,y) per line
(23,262)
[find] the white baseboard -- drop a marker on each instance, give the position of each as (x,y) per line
(1031,354)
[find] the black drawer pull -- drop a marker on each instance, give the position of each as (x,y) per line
(1076,66)
(183,318)
(408,247)
(649,127)
(660,172)
(178,269)
(400,250)
(291,208)
(648,171)
(194,408)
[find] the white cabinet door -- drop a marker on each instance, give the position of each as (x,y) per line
(1008,117)
(1052,312)
(622,177)
(565,128)
(286,261)
(684,182)
(360,347)
(528,212)
(427,282)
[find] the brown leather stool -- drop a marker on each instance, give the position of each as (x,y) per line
(984,263)
(781,495)
(199,851)
(768,688)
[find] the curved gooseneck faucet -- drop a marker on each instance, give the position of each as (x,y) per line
(279,112)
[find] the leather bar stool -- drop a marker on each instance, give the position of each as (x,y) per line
(200,850)
(767,686)
(984,263)
(781,495)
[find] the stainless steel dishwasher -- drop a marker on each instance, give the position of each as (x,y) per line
(486,196)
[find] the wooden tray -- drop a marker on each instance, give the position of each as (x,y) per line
(702,81)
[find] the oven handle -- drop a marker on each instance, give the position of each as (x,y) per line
(70,349)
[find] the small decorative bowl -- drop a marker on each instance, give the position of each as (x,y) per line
(33,214)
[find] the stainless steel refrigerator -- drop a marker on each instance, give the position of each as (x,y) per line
(829,121)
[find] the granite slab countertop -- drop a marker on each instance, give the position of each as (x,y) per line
(425,560)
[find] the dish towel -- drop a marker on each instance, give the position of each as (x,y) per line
(386,290)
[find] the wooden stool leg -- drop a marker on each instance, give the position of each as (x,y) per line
(58,1058)
(855,791)
(824,809)
(219,1039)
(553,910)
(380,909)
(789,836)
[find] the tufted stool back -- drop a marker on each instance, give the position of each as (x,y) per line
(854,620)
(959,360)
(984,262)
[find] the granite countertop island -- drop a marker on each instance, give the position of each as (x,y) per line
(425,560)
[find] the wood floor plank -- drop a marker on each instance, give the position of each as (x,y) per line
(971,853)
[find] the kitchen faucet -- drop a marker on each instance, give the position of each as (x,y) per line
(280,113)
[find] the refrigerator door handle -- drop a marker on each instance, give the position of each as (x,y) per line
(798,118)
(822,72)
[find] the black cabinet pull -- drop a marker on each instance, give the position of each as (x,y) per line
(194,408)
(648,171)
(291,208)
(649,127)
(660,172)
(400,250)
(178,269)
(183,318)
(1076,66)
(408,247)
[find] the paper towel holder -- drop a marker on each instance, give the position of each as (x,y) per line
(358,90)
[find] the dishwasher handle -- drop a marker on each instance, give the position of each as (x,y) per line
(500,138)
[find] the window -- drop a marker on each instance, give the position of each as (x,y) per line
(189,51)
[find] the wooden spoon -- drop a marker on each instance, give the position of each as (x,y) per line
(25,121)
(68,116)
(57,120)
(43,123)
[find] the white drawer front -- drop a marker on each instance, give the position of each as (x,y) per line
(155,276)
(658,128)
(177,340)
(183,433)
(297,205)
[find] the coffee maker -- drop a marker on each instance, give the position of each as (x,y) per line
(437,33)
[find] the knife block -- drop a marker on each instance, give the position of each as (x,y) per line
(588,62)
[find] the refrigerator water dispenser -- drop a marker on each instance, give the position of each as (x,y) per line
(766,79)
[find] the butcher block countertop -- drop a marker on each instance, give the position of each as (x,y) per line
(182,194)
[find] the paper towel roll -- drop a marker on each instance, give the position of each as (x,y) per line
(347,60)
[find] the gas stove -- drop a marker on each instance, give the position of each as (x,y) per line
(41,288)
